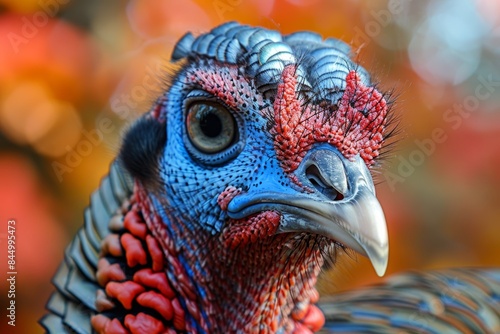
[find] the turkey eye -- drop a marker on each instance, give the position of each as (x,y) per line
(211,127)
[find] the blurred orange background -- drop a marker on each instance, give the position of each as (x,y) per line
(73,75)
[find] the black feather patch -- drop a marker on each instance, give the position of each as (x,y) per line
(141,148)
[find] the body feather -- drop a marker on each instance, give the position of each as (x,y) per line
(443,301)
(74,301)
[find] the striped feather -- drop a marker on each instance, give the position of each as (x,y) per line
(73,303)
(447,301)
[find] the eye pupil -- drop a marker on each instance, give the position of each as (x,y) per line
(211,125)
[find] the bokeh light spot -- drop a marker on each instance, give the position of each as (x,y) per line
(30,115)
(446,47)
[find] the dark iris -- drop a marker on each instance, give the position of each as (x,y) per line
(210,126)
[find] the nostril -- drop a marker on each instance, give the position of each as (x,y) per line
(320,184)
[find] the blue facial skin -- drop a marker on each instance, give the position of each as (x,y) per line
(194,180)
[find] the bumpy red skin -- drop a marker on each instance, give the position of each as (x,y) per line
(355,127)
(148,287)
(266,280)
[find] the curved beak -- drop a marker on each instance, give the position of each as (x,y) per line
(340,204)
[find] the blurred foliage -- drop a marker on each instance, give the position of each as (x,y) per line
(74,74)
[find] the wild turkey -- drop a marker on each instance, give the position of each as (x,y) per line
(248,175)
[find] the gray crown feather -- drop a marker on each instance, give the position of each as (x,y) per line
(322,65)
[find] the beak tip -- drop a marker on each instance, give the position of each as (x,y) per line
(380,263)
(373,237)
(378,254)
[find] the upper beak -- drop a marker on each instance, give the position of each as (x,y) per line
(340,205)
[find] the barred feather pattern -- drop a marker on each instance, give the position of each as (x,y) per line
(74,302)
(450,301)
